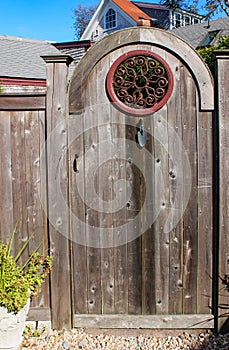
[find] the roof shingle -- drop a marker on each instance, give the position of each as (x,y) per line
(195,33)
(21,57)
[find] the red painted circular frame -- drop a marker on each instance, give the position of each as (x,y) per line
(134,111)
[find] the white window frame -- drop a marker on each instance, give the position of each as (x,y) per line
(189,20)
(195,19)
(114,13)
(175,16)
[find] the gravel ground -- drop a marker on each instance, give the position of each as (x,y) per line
(82,339)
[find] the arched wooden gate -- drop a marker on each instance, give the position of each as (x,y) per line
(139,143)
(140,139)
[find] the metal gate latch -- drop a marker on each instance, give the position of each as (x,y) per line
(75,168)
(141,135)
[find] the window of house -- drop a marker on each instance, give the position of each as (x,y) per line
(195,20)
(207,41)
(110,19)
(177,20)
(187,20)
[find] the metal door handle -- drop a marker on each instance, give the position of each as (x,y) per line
(75,169)
(141,134)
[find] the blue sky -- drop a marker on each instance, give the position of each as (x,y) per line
(43,19)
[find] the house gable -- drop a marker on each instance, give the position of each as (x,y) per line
(122,21)
(127,15)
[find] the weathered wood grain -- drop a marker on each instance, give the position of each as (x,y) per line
(146,198)
(91,157)
(6,203)
(58,180)
(118,136)
(222,153)
(32,189)
(24,137)
(153,36)
(205,236)
(18,161)
(77,214)
(191,321)
(42,200)
(106,189)
(133,176)
(162,271)
(17,103)
(39,314)
(147,239)
(176,183)
(161,198)
(189,122)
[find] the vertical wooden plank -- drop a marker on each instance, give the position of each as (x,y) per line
(31,185)
(32,178)
(189,120)
(18,177)
(147,239)
(120,251)
(58,179)
(92,216)
(162,202)
(134,207)
(161,198)
(221,221)
(147,208)
(118,136)
(175,181)
(42,206)
(77,210)
(6,203)
(106,188)
(204,273)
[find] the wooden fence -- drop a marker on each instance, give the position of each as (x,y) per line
(162,278)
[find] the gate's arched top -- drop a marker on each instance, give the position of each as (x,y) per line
(144,35)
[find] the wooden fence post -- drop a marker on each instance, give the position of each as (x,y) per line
(222,71)
(56,113)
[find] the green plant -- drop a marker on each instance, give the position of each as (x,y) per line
(207,53)
(19,281)
(224,42)
(30,331)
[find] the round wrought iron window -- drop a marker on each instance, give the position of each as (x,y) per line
(139,82)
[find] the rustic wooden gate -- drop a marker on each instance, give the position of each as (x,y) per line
(127,197)
(141,183)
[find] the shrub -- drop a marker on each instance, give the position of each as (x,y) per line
(207,53)
(19,281)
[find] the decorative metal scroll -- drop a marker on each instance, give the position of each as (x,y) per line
(139,82)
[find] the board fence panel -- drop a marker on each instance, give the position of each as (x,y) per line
(139,231)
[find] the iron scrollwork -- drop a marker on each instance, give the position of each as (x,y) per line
(140,82)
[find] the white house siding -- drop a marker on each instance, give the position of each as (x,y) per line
(122,22)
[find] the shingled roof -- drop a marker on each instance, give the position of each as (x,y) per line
(197,34)
(21,57)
